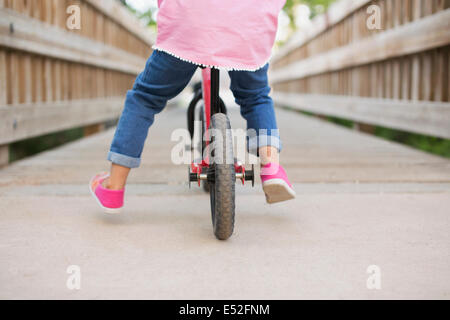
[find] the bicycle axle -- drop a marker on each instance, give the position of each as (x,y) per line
(200,173)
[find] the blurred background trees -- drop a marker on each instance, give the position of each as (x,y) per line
(315,6)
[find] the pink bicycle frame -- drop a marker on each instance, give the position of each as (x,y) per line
(206,87)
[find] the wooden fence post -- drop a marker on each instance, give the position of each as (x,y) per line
(4,155)
(93,129)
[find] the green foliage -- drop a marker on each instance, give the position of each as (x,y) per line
(148,16)
(29,147)
(145,16)
(342,122)
(316,7)
(433,145)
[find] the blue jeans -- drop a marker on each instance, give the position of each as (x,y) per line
(164,78)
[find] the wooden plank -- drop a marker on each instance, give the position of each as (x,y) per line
(380,80)
(416,76)
(424,34)
(4,155)
(48,83)
(21,77)
(373,80)
(38,80)
(425,117)
(417,9)
(448,73)
(407,14)
(93,129)
(355,84)
(57,81)
(387,82)
(58,17)
(427,78)
(3,79)
(14,78)
(396,87)
(399,13)
(35,9)
(38,38)
(99,28)
(446,82)
(439,69)
(27,79)
(406,79)
(389,14)
(48,11)
(35,120)
(428,7)
(65,81)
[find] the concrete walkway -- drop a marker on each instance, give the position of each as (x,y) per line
(361,201)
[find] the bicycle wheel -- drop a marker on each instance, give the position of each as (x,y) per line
(222,189)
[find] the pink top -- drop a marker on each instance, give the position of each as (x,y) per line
(227,34)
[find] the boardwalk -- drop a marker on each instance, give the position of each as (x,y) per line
(361,201)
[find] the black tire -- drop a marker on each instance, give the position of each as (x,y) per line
(222,189)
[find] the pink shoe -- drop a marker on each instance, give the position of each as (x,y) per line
(276,185)
(111,201)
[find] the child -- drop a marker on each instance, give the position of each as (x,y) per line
(235,35)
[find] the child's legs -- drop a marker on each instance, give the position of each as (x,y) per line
(251,91)
(164,78)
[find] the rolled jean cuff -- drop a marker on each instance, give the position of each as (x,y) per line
(255,143)
(125,161)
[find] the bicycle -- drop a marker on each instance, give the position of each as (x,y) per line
(218,177)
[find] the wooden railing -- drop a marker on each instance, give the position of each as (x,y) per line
(396,76)
(53,78)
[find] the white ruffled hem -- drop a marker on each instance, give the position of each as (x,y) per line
(154,47)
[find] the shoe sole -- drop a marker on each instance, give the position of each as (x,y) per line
(277,190)
(112,211)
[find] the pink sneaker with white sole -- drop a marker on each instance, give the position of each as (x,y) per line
(111,201)
(275,183)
